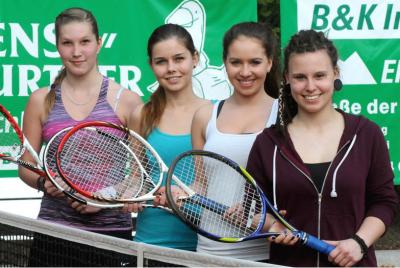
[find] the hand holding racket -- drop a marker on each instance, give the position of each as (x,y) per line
(224,202)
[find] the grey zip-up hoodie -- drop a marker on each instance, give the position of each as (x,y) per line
(358,183)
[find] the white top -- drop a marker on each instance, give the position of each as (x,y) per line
(237,148)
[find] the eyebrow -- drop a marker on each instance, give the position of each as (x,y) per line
(175,55)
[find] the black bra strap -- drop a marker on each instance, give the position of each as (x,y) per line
(220,107)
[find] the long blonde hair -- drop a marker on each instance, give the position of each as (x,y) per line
(154,108)
(65,17)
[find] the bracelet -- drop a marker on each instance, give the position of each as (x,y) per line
(40,184)
(361,243)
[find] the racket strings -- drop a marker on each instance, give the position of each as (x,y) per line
(49,159)
(107,164)
(11,140)
(226,204)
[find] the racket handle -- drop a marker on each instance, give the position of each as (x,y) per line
(315,243)
(209,204)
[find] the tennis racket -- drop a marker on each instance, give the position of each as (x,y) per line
(225,204)
(49,165)
(109,163)
(14,145)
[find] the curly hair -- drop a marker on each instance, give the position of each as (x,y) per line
(302,42)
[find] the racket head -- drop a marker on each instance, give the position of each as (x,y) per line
(108,162)
(49,164)
(217,184)
(13,144)
(223,190)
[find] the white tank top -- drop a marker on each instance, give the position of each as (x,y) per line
(236,147)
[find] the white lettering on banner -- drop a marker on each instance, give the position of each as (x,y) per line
(29,77)
(346,106)
(382,107)
(384,131)
(18,34)
(2,52)
(27,37)
(391,67)
(373,107)
(129,76)
(50,36)
(356,19)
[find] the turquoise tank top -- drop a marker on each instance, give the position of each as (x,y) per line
(156,226)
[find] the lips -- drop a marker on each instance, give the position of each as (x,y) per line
(77,62)
(312,97)
(246,83)
(173,79)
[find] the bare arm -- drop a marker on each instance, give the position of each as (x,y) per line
(129,102)
(32,127)
(134,119)
(199,125)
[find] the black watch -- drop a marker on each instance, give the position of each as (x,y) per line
(40,184)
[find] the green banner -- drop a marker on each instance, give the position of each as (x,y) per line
(367,35)
(29,59)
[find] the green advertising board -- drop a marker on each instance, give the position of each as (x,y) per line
(29,59)
(366,34)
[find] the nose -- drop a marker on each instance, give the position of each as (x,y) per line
(311,85)
(171,67)
(245,70)
(76,52)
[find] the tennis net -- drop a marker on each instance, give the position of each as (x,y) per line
(29,242)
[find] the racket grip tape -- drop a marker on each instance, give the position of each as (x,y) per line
(315,243)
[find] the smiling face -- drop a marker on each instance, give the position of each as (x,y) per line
(247,65)
(172,64)
(311,76)
(78,47)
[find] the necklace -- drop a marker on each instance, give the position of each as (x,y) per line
(74,101)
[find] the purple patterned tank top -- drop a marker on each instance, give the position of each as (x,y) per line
(57,209)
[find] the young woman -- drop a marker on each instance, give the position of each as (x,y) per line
(165,122)
(230,127)
(79,93)
(328,170)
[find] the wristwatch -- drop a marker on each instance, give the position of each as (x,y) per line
(40,184)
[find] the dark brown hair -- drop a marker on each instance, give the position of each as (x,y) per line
(154,108)
(302,42)
(264,33)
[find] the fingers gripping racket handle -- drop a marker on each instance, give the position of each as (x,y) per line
(315,243)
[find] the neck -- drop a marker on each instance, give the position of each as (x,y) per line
(180,98)
(251,100)
(312,120)
(83,82)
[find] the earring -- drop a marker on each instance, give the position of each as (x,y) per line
(337,84)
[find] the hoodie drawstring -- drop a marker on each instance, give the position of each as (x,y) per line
(333,192)
(274,177)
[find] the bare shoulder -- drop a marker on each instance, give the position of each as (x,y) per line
(35,108)
(36,100)
(204,110)
(202,115)
(135,118)
(127,96)
(39,95)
